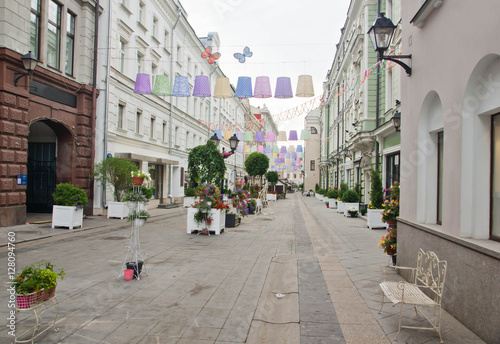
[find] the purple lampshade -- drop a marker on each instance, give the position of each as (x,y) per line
(293,135)
(299,149)
(239,149)
(268,149)
(283,88)
(270,137)
(142,84)
(181,86)
(282,160)
(283,149)
(262,87)
(244,87)
(259,136)
(239,135)
(218,133)
(294,155)
(268,155)
(201,86)
(260,149)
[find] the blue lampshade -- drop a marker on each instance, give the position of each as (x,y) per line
(244,87)
(181,86)
(239,135)
(299,149)
(268,149)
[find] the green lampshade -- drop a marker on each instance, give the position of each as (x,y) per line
(162,85)
(248,136)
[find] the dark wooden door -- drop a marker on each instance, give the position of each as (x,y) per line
(41,177)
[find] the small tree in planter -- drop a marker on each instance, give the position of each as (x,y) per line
(116,173)
(256,164)
(206,164)
(350,198)
(332,197)
(375,208)
(69,202)
(272,178)
(340,203)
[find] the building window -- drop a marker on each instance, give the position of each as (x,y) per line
(54,35)
(152,127)
(314,130)
(35,27)
(164,132)
(179,54)
(140,59)
(122,56)
(155,27)
(495,178)
(176,137)
(121,111)
(439,205)
(70,44)
(313,165)
(166,41)
(138,120)
(392,169)
(141,12)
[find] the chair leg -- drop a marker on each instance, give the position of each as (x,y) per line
(382,304)
(400,317)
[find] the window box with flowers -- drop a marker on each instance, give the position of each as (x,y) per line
(69,202)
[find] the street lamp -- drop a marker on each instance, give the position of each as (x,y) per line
(233,143)
(381,35)
(215,139)
(29,62)
(396,120)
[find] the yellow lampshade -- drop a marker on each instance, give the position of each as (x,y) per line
(222,88)
(305,86)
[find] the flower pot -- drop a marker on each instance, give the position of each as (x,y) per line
(232,220)
(340,207)
(138,223)
(70,217)
(118,209)
(44,295)
(391,223)
(390,251)
(128,274)
(26,301)
(374,219)
(328,206)
(136,267)
(349,206)
(137,181)
(209,222)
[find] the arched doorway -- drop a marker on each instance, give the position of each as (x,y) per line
(46,141)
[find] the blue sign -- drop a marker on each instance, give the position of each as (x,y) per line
(22,179)
(109,155)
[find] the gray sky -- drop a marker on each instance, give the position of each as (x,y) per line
(287,38)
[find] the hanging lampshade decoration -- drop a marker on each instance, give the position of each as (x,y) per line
(201,86)
(293,162)
(218,133)
(142,84)
(294,155)
(239,149)
(282,160)
(260,149)
(287,155)
(276,149)
(227,134)
(283,149)
(287,161)
(283,88)
(259,136)
(222,88)
(162,85)
(299,149)
(239,135)
(304,134)
(268,149)
(254,149)
(305,87)
(248,136)
(268,155)
(181,86)
(247,149)
(282,155)
(297,161)
(244,87)
(291,149)
(300,155)
(270,137)
(276,160)
(282,136)
(262,87)
(293,135)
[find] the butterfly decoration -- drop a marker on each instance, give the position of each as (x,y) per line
(207,54)
(242,57)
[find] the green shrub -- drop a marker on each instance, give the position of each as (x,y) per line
(350,196)
(333,193)
(115,173)
(272,177)
(343,188)
(376,191)
(316,187)
(70,196)
(189,192)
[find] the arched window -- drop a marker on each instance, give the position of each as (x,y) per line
(314,130)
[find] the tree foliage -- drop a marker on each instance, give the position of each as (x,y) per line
(115,173)
(206,164)
(376,192)
(272,177)
(256,164)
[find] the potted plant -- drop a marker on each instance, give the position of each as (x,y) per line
(391,206)
(375,208)
(352,211)
(36,283)
(332,197)
(69,201)
(209,206)
(327,204)
(138,217)
(389,243)
(256,164)
(272,178)
(139,177)
(340,204)
(351,200)
(189,197)
(252,204)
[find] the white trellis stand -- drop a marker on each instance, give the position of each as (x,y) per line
(134,252)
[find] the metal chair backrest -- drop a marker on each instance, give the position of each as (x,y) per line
(431,272)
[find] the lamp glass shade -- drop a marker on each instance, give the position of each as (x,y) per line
(262,87)
(293,135)
(270,137)
(282,136)
(381,33)
(181,86)
(29,61)
(162,85)
(260,149)
(215,139)
(233,141)
(248,136)
(283,149)
(259,136)
(299,149)
(305,86)
(244,87)
(142,84)
(222,88)
(304,135)
(201,86)
(283,88)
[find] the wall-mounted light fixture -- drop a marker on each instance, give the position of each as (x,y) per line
(396,120)
(29,62)
(381,35)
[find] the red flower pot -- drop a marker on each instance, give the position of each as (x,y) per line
(390,252)
(137,181)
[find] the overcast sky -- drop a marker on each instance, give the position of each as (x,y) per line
(287,38)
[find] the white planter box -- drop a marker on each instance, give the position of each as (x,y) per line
(340,207)
(118,209)
(374,219)
(217,225)
(189,201)
(333,203)
(349,206)
(272,197)
(67,217)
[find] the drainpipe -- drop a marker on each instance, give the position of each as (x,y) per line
(94,92)
(105,136)
(377,102)
(328,143)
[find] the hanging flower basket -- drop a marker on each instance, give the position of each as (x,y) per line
(137,181)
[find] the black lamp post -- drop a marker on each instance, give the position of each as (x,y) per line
(29,62)
(381,35)
(233,143)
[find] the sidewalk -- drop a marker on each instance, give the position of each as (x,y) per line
(297,273)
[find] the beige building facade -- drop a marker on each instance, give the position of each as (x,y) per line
(312,149)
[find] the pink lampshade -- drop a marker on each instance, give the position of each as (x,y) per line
(201,86)
(270,137)
(142,84)
(282,155)
(283,88)
(293,135)
(244,87)
(262,87)
(259,136)
(260,149)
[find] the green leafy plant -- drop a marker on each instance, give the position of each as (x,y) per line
(316,187)
(139,173)
(327,203)
(334,193)
(116,173)
(343,188)
(357,188)
(70,196)
(376,191)
(38,276)
(138,195)
(139,215)
(256,164)
(206,164)
(253,202)
(350,196)
(272,177)
(189,192)
(353,212)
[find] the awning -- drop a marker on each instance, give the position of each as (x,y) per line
(150,159)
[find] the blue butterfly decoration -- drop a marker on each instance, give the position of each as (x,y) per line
(242,57)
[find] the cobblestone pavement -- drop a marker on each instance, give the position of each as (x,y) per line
(297,273)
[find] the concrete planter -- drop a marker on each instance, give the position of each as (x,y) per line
(333,203)
(118,209)
(189,201)
(374,219)
(70,217)
(349,206)
(272,197)
(340,207)
(218,221)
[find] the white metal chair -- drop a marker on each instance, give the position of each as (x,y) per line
(429,275)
